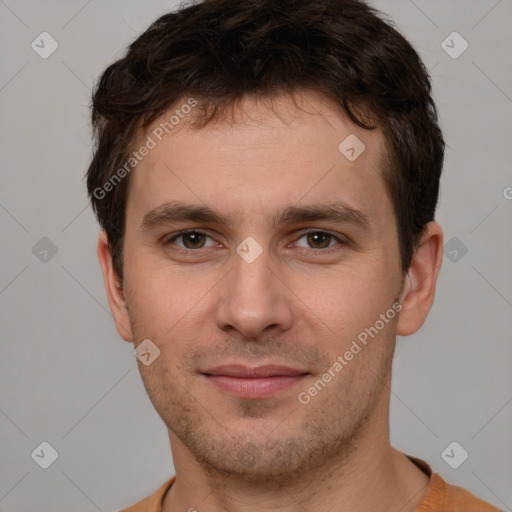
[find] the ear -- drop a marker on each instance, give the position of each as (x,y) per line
(114,290)
(420,281)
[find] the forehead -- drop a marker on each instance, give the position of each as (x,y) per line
(265,154)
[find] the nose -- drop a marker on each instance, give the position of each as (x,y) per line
(254,298)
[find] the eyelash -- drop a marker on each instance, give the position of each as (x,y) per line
(174,237)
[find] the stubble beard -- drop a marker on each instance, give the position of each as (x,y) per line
(321,435)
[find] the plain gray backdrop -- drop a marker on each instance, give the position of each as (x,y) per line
(67,378)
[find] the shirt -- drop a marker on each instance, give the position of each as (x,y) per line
(440,496)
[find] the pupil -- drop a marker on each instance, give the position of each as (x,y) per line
(195,239)
(316,238)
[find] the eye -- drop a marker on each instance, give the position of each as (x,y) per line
(191,239)
(319,240)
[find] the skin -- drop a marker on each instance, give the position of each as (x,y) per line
(301,303)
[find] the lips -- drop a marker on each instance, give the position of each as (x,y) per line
(254,382)
(240,371)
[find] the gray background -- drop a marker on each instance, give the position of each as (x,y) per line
(68,379)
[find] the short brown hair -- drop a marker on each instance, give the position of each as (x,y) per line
(219,51)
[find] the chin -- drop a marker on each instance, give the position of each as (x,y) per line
(258,459)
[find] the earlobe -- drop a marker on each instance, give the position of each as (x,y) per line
(420,282)
(115,294)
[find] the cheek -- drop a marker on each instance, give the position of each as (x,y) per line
(346,301)
(157,297)
(170,310)
(344,307)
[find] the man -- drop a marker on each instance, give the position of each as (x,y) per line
(266,175)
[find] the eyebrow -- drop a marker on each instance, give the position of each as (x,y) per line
(170,212)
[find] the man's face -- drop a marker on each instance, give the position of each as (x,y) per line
(298,304)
